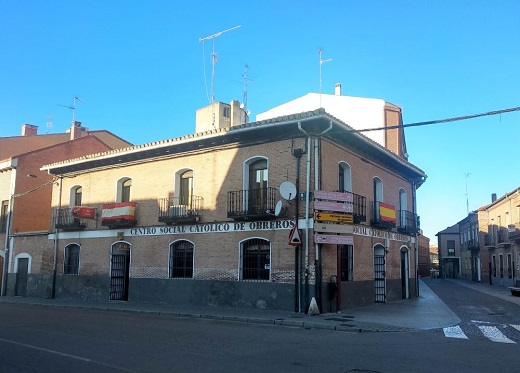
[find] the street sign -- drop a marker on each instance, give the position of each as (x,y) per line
(334,239)
(333,196)
(333,206)
(333,228)
(335,218)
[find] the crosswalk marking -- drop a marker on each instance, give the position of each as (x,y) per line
(517,327)
(494,334)
(454,332)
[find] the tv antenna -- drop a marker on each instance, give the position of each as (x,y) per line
(49,122)
(467,196)
(73,107)
(322,61)
(214,60)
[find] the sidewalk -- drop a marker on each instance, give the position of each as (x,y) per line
(423,313)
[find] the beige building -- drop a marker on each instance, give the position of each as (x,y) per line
(502,238)
(210,218)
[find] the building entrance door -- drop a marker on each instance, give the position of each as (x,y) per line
(379,274)
(21,277)
(405,275)
(119,271)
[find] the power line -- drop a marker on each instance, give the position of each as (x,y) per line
(453,119)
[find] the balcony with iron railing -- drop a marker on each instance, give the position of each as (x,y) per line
(407,222)
(64,219)
(254,204)
(503,237)
(180,210)
(514,232)
(472,245)
(379,216)
(359,204)
(490,240)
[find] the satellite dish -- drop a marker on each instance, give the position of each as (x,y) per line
(278,208)
(287,190)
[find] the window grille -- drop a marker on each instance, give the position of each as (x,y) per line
(347,262)
(181,259)
(71,260)
(256,259)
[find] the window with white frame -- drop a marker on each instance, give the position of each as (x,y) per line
(71,260)
(344,177)
(181,259)
(123,190)
(76,195)
(255,259)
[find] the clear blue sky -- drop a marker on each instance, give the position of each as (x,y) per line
(139,69)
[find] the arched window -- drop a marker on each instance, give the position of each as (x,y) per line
(71,260)
(123,190)
(255,184)
(181,259)
(403,208)
(255,259)
(76,194)
(186,188)
(344,177)
(378,190)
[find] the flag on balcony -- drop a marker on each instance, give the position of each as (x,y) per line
(386,212)
(118,211)
(82,212)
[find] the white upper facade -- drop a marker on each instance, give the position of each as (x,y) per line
(357,112)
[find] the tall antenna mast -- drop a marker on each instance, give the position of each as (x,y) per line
(49,122)
(322,61)
(73,107)
(467,196)
(214,58)
(244,99)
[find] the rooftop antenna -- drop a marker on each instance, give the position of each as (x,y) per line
(49,122)
(244,99)
(467,196)
(322,61)
(73,107)
(214,59)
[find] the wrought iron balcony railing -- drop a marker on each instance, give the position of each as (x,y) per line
(64,219)
(252,204)
(407,222)
(180,210)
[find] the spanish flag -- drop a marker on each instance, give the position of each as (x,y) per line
(386,212)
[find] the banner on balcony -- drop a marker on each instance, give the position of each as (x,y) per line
(386,212)
(82,212)
(118,211)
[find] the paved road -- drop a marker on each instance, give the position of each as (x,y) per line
(482,315)
(41,339)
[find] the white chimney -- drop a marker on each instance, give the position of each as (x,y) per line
(337,89)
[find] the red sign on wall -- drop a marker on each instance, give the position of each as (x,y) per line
(82,212)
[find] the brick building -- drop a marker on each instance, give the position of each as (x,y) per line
(209,218)
(423,255)
(448,243)
(25,190)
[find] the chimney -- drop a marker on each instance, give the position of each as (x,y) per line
(337,89)
(75,130)
(29,130)
(493,197)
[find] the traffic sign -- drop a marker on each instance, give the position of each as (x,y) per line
(333,206)
(334,239)
(335,218)
(294,236)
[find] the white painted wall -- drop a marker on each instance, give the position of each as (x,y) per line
(357,112)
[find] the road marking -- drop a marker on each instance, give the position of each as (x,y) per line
(480,322)
(492,333)
(64,354)
(517,327)
(454,332)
